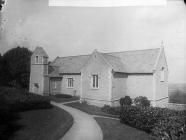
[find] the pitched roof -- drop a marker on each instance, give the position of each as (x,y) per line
(54,71)
(40,51)
(71,64)
(140,61)
(115,62)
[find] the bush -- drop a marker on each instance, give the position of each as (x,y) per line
(125,101)
(170,127)
(21,100)
(157,121)
(63,96)
(84,102)
(111,110)
(138,117)
(142,101)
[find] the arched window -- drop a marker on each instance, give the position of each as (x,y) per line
(162,74)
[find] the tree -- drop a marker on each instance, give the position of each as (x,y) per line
(0,69)
(1,4)
(16,67)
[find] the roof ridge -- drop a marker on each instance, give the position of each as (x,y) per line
(133,50)
(73,56)
(110,55)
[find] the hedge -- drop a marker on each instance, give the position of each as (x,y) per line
(22,100)
(13,101)
(157,121)
(63,96)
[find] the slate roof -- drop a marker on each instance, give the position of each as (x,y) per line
(139,61)
(54,71)
(71,64)
(40,51)
(115,62)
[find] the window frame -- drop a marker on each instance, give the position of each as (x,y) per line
(95,81)
(70,82)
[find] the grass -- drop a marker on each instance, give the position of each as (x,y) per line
(177,96)
(177,93)
(28,116)
(46,124)
(114,130)
(62,99)
(90,109)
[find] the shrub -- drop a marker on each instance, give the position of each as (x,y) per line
(170,127)
(22,100)
(138,117)
(111,110)
(125,101)
(141,101)
(157,121)
(84,102)
(63,96)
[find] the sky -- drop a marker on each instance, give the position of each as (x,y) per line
(67,31)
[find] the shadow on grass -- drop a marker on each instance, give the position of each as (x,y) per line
(9,125)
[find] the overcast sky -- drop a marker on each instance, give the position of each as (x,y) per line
(64,31)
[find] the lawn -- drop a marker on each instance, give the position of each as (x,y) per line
(28,116)
(114,130)
(63,98)
(45,124)
(177,93)
(90,109)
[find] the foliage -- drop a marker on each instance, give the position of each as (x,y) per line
(1,66)
(125,101)
(21,100)
(170,127)
(15,68)
(141,101)
(13,101)
(63,96)
(111,110)
(84,102)
(157,121)
(1,4)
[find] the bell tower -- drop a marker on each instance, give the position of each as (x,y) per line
(39,81)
